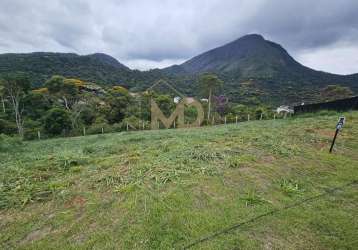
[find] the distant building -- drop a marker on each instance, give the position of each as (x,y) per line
(190,100)
(177,99)
(284,109)
(134,94)
(204,100)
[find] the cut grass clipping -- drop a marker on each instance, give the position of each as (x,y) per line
(169,189)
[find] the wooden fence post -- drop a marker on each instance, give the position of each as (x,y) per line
(102,130)
(236,119)
(84,131)
(225,120)
(39,135)
(248,117)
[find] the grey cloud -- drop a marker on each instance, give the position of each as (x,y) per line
(157,32)
(308,24)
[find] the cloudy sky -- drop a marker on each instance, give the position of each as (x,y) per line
(144,34)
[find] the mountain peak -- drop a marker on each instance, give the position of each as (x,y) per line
(249,55)
(252,37)
(107,59)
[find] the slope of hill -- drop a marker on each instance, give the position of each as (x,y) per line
(251,55)
(167,189)
(41,66)
(275,76)
(248,56)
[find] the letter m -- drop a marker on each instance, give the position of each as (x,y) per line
(157,115)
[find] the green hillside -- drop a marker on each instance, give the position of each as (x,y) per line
(276,76)
(99,68)
(168,189)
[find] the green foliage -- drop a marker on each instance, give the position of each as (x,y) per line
(98,128)
(117,108)
(190,114)
(36,105)
(251,80)
(41,66)
(165,103)
(88,116)
(8,143)
(33,127)
(64,90)
(290,187)
(119,91)
(55,84)
(240,111)
(56,121)
(241,161)
(15,87)
(335,92)
(251,198)
(91,106)
(210,83)
(7,127)
(14,82)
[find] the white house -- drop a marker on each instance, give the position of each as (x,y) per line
(284,109)
(177,99)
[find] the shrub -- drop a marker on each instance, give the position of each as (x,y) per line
(8,143)
(31,129)
(56,121)
(97,129)
(7,127)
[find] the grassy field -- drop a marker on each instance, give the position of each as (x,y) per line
(169,189)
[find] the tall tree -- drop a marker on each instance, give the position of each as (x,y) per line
(56,121)
(118,102)
(67,93)
(210,83)
(16,87)
(64,89)
(2,95)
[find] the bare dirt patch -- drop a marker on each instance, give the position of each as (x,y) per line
(36,235)
(77,201)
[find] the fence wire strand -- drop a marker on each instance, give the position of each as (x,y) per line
(272,212)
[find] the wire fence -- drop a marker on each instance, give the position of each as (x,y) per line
(141,125)
(236,226)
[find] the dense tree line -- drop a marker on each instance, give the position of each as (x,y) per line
(70,107)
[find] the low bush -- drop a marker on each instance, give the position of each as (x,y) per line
(8,143)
